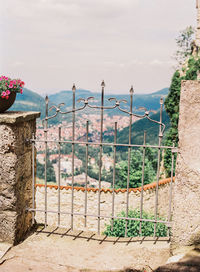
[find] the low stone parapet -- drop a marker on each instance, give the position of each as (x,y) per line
(15,174)
(92,203)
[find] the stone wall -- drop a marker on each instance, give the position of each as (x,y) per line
(186,210)
(92,202)
(15,174)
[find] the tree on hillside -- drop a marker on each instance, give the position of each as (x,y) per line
(135,171)
(184,42)
(51,177)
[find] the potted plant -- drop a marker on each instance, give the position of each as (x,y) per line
(8,89)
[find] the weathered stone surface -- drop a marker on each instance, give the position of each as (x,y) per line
(61,250)
(8,164)
(7,226)
(186,210)
(15,174)
(14,137)
(14,117)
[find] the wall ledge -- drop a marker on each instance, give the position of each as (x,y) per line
(135,190)
(13,117)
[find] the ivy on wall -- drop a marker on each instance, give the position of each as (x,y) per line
(188,72)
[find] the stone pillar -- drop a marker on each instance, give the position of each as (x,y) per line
(15,174)
(186,208)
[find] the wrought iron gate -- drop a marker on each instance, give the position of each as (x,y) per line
(115,104)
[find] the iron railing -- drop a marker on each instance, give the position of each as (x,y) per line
(86,103)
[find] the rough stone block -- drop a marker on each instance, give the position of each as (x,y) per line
(186,209)
(15,174)
(8,226)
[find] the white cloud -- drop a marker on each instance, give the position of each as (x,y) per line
(161,63)
(17,64)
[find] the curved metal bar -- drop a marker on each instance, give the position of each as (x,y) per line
(100,107)
(139,116)
(111,99)
(66,112)
(133,114)
(104,107)
(145,115)
(157,122)
(123,110)
(54,115)
(118,106)
(58,110)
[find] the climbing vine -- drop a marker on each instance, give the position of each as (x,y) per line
(188,72)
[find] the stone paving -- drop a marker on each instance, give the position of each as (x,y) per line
(51,250)
(62,250)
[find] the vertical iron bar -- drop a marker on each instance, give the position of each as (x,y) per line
(129,158)
(170,189)
(45,169)
(100,155)
(86,171)
(73,138)
(142,187)
(158,165)
(59,138)
(33,176)
(113,187)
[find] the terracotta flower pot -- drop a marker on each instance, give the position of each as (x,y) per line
(5,104)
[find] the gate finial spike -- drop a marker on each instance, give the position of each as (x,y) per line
(131,90)
(103,83)
(46,99)
(74,88)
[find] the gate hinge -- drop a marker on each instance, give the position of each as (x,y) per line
(28,142)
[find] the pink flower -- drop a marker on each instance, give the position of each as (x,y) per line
(15,85)
(22,84)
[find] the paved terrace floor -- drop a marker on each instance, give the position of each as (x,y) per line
(52,250)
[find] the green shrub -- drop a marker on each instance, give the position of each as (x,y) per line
(133,227)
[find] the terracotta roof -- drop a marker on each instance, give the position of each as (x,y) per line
(139,189)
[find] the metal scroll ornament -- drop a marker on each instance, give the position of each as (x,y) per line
(86,103)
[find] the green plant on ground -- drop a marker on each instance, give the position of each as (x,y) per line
(133,226)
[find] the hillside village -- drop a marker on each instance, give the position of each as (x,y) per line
(80,135)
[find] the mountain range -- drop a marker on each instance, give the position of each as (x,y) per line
(31,101)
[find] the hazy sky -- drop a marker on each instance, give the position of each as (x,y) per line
(51,44)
